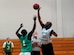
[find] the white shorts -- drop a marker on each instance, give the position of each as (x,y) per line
(25,53)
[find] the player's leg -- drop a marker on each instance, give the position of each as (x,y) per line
(43,47)
(4,53)
(9,53)
(35,53)
(51,49)
(48,49)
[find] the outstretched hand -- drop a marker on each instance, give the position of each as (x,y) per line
(39,8)
(21,25)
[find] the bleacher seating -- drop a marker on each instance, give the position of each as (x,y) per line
(61,46)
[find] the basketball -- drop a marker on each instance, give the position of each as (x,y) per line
(36,6)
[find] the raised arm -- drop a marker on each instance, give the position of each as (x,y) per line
(17,32)
(39,18)
(33,29)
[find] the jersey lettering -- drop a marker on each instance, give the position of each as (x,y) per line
(24,44)
(8,47)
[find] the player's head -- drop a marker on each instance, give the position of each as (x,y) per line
(24,32)
(35,34)
(8,39)
(48,25)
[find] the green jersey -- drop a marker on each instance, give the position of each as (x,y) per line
(7,47)
(26,44)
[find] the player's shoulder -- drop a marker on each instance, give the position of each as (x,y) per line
(5,43)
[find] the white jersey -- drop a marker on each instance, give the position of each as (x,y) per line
(35,48)
(45,39)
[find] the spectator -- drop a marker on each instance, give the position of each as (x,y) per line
(35,44)
(8,47)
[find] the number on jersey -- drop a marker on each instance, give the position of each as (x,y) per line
(24,44)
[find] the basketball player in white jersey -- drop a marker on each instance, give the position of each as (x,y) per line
(47,32)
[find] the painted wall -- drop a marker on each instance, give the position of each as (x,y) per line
(68,17)
(15,12)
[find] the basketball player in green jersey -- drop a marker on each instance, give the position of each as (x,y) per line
(25,39)
(8,47)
